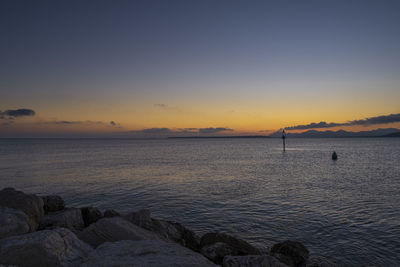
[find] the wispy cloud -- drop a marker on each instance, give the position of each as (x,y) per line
(384,119)
(214,130)
(16,113)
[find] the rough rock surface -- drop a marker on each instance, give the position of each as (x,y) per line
(13,222)
(69,218)
(217,251)
(32,205)
(166,229)
(240,246)
(145,253)
(58,247)
(252,261)
(53,203)
(114,229)
(320,261)
(111,213)
(91,215)
(292,253)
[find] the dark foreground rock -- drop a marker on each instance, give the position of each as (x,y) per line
(70,218)
(58,247)
(292,253)
(53,203)
(114,229)
(166,229)
(32,205)
(320,261)
(91,215)
(111,213)
(252,261)
(13,222)
(151,253)
(216,246)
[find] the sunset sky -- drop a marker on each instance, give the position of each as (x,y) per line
(210,67)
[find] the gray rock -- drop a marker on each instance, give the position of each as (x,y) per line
(114,229)
(111,213)
(53,203)
(240,246)
(252,261)
(166,229)
(292,253)
(320,261)
(217,251)
(59,247)
(32,205)
(13,222)
(91,215)
(69,218)
(145,253)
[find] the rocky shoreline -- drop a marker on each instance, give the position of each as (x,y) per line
(42,231)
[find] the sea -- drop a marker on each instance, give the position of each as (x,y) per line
(347,210)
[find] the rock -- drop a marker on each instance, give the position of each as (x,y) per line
(69,218)
(53,203)
(91,215)
(114,229)
(32,205)
(13,222)
(145,253)
(292,253)
(111,213)
(252,261)
(217,251)
(58,247)
(320,261)
(236,244)
(166,229)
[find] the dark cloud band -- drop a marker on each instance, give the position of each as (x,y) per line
(14,113)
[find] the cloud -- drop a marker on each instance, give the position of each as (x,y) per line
(15,113)
(384,119)
(156,131)
(115,124)
(213,130)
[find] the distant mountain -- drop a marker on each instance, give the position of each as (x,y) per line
(389,132)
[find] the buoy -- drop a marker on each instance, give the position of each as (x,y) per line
(334,156)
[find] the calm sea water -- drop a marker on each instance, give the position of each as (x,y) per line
(347,209)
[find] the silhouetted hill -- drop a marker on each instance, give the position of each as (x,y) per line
(341,133)
(392,135)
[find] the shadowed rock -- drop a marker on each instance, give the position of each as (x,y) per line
(13,222)
(69,218)
(114,229)
(32,205)
(53,203)
(166,229)
(252,261)
(150,253)
(292,253)
(91,215)
(111,213)
(227,245)
(58,247)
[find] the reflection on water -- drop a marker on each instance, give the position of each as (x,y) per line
(347,209)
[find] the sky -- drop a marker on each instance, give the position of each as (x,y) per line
(94,68)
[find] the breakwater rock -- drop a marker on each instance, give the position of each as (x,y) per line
(42,231)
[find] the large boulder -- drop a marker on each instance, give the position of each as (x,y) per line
(166,229)
(53,203)
(320,261)
(58,247)
(69,218)
(252,261)
(216,246)
(32,205)
(91,215)
(13,222)
(292,253)
(114,229)
(145,253)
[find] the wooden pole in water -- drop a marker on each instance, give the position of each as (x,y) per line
(283,140)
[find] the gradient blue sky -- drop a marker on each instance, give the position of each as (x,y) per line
(248,66)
